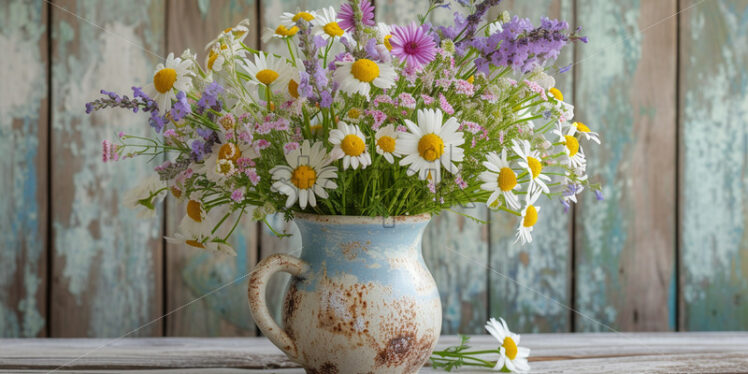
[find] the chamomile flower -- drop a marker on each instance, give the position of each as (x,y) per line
(501,179)
(280,32)
(216,57)
(586,132)
(531,161)
(358,76)
(528,220)
(384,33)
(307,175)
(289,19)
(232,35)
(221,164)
(198,229)
(144,197)
(511,354)
(326,24)
(386,139)
(350,145)
(429,145)
(271,71)
(174,74)
(574,154)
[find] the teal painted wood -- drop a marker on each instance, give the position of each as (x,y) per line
(531,284)
(714,165)
(456,252)
(192,273)
(625,89)
(106,262)
(23,142)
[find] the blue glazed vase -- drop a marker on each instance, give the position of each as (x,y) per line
(360,300)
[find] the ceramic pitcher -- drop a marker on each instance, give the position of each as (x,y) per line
(360,300)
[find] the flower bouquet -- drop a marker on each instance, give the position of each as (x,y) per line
(358,118)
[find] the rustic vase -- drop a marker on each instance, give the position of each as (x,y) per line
(360,300)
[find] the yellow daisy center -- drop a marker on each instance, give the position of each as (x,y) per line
(387,42)
(535,166)
(352,145)
(212,56)
(176,192)
(305,15)
(194,210)
(164,79)
(430,147)
(315,128)
(194,243)
(507,179)
(471,79)
(365,70)
(354,113)
(510,347)
(266,76)
(303,177)
(293,89)
(333,29)
(283,31)
(572,144)
(386,143)
(556,93)
(229,151)
(227,30)
(582,127)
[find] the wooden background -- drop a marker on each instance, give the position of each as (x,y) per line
(663,81)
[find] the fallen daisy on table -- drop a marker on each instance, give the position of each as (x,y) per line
(512,357)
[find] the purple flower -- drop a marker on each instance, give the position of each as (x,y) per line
(209,98)
(237,195)
(197,147)
(413,44)
(599,195)
(181,107)
(326,99)
(157,122)
(347,18)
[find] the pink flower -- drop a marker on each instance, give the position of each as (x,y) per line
(464,87)
(443,82)
(108,151)
(170,132)
(407,100)
(246,137)
(382,99)
(379,118)
(471,127)
(402,128)
(121,134)
(290,146)
(262,144)
(432,185)
(460,182)
(444,104)
(410,73)
(237,195)
(427,99)
(488,96)
(252,175)
(347,20)
(413,44)
(534,87)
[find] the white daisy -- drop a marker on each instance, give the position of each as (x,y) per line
(574,154)
(289,19)
(350,145)
(144,197)
(280,32)
(221,163)
(305,176)
(384,33)
(198,229)
(429,145)
(386,138)
(510,354)
(271,71)
(501,179)
(232,35)
(175,73)
(358,76)
(326,24)
(531,161)
(585,131)
(529,218)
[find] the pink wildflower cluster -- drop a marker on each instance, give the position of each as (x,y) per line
(108,151)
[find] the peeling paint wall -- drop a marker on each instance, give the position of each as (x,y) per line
(667,249)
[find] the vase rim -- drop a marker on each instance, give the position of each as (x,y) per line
(361,220)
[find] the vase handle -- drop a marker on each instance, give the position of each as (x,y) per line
(257,301)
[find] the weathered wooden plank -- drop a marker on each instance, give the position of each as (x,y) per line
(714,165)
(190,272)
(608,352)
(625,89)
(531,284)
(107,262)
(23,142)
(455,249)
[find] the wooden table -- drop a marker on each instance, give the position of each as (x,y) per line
(713,352)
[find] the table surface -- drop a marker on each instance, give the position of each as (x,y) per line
(712,352)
